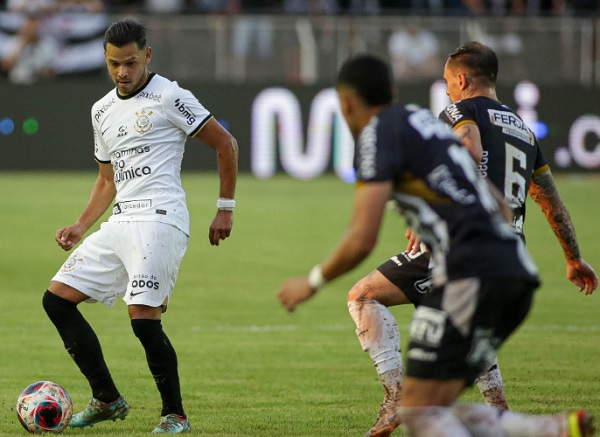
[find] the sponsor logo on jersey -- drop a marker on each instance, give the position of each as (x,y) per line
(125,174)
(130,152)
(131,205)
(122,131)
(483,164)
(149,96)
(453,114)
(102,110)
(367,150)
(186,112)
(441,179)
(143,123)
(511,125)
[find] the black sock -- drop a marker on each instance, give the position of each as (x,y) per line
(162,361)
(82,344)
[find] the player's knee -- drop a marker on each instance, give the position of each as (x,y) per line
(54,304)
(361,290)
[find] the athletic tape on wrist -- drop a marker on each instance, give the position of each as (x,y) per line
(315,277)
(225,204)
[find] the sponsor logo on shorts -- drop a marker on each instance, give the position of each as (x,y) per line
(424,285)
(144,282)
(421,355)
(484,347)
(427,326)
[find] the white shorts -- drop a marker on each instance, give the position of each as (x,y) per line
(140,259)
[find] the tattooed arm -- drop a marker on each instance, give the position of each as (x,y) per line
(543,191)
(468,134)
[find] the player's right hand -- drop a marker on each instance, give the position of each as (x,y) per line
(294,291)
(582,275)
(68,236)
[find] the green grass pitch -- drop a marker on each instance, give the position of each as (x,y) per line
(247,367)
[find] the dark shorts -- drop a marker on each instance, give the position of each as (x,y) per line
(458,328)
(410,273)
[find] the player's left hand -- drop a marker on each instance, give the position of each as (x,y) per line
(582,275)
(295,291)
(220,228)
(414,244)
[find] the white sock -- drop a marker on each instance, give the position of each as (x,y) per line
(491,385)
(432,422)
(485,421)
(481,420)
(378,335)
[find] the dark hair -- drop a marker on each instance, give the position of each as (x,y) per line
(125,32)
(480,60)
(370,77)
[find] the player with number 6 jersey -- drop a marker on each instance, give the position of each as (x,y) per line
(510,153)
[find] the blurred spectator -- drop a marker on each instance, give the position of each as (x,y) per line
(43,38)
(252,37)
(79,26)
(30,7)
(28,56)
(216,6)
(165,6)
(305,7)
(414,54)
(585,8)
(361,7)
(123,6)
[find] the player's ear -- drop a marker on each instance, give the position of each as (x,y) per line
(464,81)
(148,55)
(344,98)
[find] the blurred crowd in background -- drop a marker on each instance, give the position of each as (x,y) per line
(42,39)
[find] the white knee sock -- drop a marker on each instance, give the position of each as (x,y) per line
(433,422)
(491,386)
(378,334)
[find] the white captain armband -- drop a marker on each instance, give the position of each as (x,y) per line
(225,204)
(315,277)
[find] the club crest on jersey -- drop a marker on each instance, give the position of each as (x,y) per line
(143,123)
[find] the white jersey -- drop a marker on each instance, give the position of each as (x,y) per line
(143,135)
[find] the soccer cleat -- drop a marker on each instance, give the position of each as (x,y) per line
(172,424)
(579,424)
(98,411)
(387,421)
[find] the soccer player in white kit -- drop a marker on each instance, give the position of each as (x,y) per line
(140,130)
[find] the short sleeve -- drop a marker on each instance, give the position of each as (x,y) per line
(100,151)
(185,111)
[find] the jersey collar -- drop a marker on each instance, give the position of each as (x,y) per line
(129,96)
